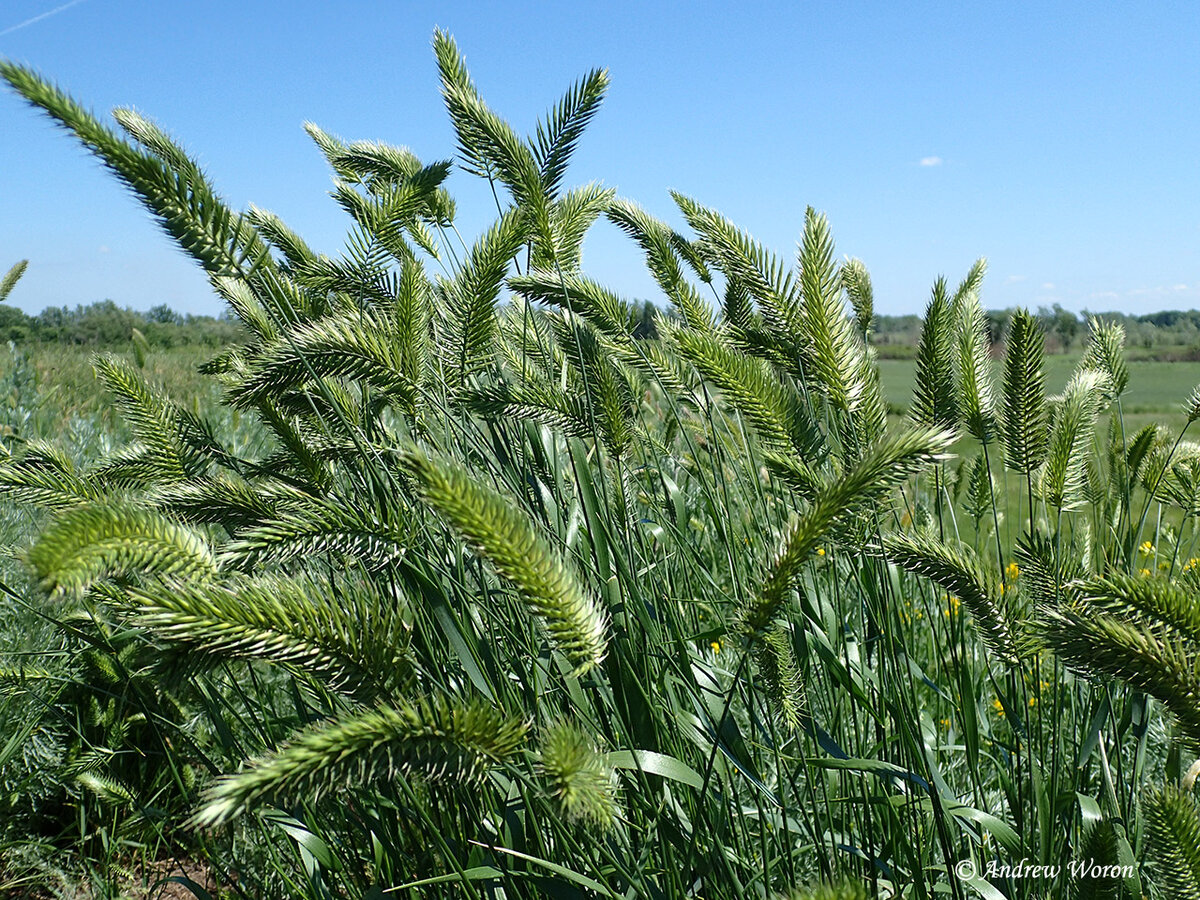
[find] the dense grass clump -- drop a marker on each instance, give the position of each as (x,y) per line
(472,583)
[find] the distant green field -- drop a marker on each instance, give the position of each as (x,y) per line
(1157,390)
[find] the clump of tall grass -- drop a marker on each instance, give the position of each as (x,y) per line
(509,595)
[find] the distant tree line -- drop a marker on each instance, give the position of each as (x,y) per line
(1168,335)
(105,324)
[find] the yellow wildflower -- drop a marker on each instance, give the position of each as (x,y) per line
(1147,548)
(1145,573)
(820,551)
(1191,564)
(1012,571)
(998,706)
(716,646)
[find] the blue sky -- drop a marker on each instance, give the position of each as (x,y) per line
(1060,140)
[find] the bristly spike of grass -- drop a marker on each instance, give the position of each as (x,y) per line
(881,468)
(185,204)
(663,260)
(742,258)
(442,739)
(934,398)
(610,314)
(959,571)
(577,776)
(1097,643)
(772,406)
(502,534)
(1063,474)
(1173,832)
(976,400)
(1151,601)
(836,357)
(856,281)
(102,539)
(1192,407)
(1106,353)
(11,277)
(779,675)
(345,634)
(360,345)
(473,293)
(1025,421)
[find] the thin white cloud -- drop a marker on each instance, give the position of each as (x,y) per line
(1180,287)
(30,21)
(1048,286)
(1013,279)
(104,248)
(931,161)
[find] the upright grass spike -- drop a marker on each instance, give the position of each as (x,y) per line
(856,281)
(108,538)
(489,144)
(934,397)
(1106,353)
(604,384)
(501,533)
(836,358)
(960,572)
(1100,847)
(1192,406)
(413,315)
(157,422)
(971,283)
(559,131)
(1063,475)
(980,489)
(1048,575)
(976,402)
(570,218)
(470,298)
(1024,422)
(445,740)
(183,202)
(11,277)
